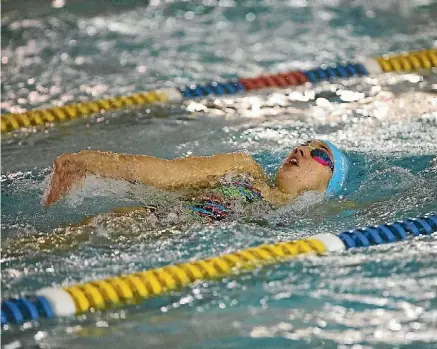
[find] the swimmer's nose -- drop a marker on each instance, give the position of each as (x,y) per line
(302,151)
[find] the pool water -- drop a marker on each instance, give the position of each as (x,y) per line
(381,297)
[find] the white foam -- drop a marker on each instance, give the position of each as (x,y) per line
(94,187)
(289,213)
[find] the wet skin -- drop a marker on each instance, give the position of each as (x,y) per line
(299,172)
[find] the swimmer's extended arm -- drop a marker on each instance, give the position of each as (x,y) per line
(188,172)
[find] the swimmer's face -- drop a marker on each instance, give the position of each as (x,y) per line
(301,172)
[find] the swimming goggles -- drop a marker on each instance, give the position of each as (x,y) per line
(320,155)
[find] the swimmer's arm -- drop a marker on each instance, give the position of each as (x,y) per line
(163,173)
(188,172)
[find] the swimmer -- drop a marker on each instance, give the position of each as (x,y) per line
(215,186)
(204,189)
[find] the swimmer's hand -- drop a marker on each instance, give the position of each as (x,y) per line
(66,174)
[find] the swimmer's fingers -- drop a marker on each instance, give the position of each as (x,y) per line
(51,193)
(66,174)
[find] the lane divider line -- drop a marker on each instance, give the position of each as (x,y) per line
(131,288)
(406,62)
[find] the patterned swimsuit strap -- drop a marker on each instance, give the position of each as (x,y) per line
(247,190)
(214,208)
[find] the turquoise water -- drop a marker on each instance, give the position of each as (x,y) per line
(383,297)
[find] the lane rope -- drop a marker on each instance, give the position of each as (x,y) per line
(131,288)
(407,62)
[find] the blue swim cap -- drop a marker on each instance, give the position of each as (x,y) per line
(341,170)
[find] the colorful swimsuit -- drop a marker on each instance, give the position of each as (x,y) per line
(221,202)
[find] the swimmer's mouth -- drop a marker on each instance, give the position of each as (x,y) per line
(292,161)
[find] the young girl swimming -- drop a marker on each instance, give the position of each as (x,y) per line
(214,187)
(204,189)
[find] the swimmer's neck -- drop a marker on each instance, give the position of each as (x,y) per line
(275,196)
